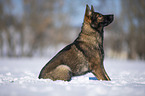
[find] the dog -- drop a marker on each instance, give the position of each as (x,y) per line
(85,54)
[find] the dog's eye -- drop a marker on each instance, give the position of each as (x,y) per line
(99,15)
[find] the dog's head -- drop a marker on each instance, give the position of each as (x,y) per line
(95,19)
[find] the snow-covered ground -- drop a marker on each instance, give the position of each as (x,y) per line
(18,77)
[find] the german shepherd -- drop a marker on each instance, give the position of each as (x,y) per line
(85,54)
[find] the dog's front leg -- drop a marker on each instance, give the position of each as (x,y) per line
(100,73)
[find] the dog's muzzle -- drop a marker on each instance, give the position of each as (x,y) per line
(108,19)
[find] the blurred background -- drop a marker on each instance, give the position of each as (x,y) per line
(30,28)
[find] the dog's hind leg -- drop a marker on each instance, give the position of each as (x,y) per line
(61,72)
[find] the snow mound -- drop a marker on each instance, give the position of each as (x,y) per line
(18,77)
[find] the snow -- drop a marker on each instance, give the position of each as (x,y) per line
(18,77)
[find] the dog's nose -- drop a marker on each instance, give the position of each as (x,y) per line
(108,19)
(111,16)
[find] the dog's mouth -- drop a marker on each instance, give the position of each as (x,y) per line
(107,19)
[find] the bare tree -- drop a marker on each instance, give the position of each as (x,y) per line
(7,20)
(133,14)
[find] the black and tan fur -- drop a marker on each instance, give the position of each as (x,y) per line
(84,55)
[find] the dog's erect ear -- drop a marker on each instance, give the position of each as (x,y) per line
(88,12)
(92,8)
